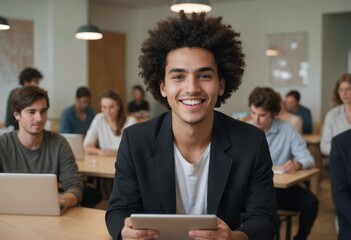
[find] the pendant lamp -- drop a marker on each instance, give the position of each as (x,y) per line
(4,25)
(88,32)
(189,6)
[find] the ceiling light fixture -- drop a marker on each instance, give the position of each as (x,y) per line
(88,32)
(272,52)
(189,6)
(4,25)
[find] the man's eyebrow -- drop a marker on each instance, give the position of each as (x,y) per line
(203,69)
(176,70)
(34,109)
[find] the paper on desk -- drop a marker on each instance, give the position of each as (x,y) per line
(278,170)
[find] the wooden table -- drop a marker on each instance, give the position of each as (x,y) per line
(76,224)
(97,166)
(313,143)
(287,180)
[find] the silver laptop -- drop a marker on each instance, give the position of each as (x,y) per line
(29,194)
(76,143)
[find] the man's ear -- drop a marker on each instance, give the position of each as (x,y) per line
(221,87)
(162,88)
(17,115)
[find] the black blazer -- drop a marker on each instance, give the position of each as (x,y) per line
(240,176)
(340,172)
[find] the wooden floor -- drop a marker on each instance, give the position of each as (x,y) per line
(324,227)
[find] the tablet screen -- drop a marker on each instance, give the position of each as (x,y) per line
(173,226)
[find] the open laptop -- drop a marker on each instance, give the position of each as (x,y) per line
(29,194)
(76,143)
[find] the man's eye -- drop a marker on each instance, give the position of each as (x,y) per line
(177,77)
(204,76)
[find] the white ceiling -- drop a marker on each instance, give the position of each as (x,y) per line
(148,3)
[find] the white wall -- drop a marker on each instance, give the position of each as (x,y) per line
(57,54)
(63,59)
(254,19)
(336,45)
(67,55)
(130,22)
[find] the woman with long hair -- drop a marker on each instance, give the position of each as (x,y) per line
(105,132)
(338,119)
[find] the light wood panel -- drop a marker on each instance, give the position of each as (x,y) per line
(97,166)
(76,224)
(287,180)
(107,66)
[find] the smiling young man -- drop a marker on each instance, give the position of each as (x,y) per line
(288,150)
(192,159)
(31,149)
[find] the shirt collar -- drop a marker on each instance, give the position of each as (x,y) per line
(341,109)
(274,128)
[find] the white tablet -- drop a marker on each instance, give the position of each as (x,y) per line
(173,226)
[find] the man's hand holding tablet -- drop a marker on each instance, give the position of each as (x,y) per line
(129,233)
(174,227)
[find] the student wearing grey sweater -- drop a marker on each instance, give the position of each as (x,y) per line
(31,149)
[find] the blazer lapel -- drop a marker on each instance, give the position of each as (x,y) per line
(163,166)
(220,164)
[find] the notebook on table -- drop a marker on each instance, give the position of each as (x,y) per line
(76,143)
(29,194)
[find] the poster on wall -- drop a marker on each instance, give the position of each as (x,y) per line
(288,58)
(16,53)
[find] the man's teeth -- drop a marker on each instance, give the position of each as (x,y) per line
(191,102)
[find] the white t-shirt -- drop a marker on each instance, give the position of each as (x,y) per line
(191,183)
(100,131)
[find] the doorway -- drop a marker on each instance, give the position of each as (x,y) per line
(107,66)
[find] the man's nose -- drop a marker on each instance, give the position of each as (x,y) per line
(38,116)
(192,84)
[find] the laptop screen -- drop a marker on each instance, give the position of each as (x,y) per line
(29,194)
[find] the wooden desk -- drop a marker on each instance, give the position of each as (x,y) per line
(313,143)
(97,166)
(312,138)
(287,180)
(77,223)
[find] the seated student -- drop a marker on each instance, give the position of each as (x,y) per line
(293,105)
(338,119)
(139,108)
(107,126)
(78,117)
(193,159)
(284,115)
(28,77)
(340,172)
(288,150)
(32,149)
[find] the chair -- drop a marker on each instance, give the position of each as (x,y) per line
(286,216)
